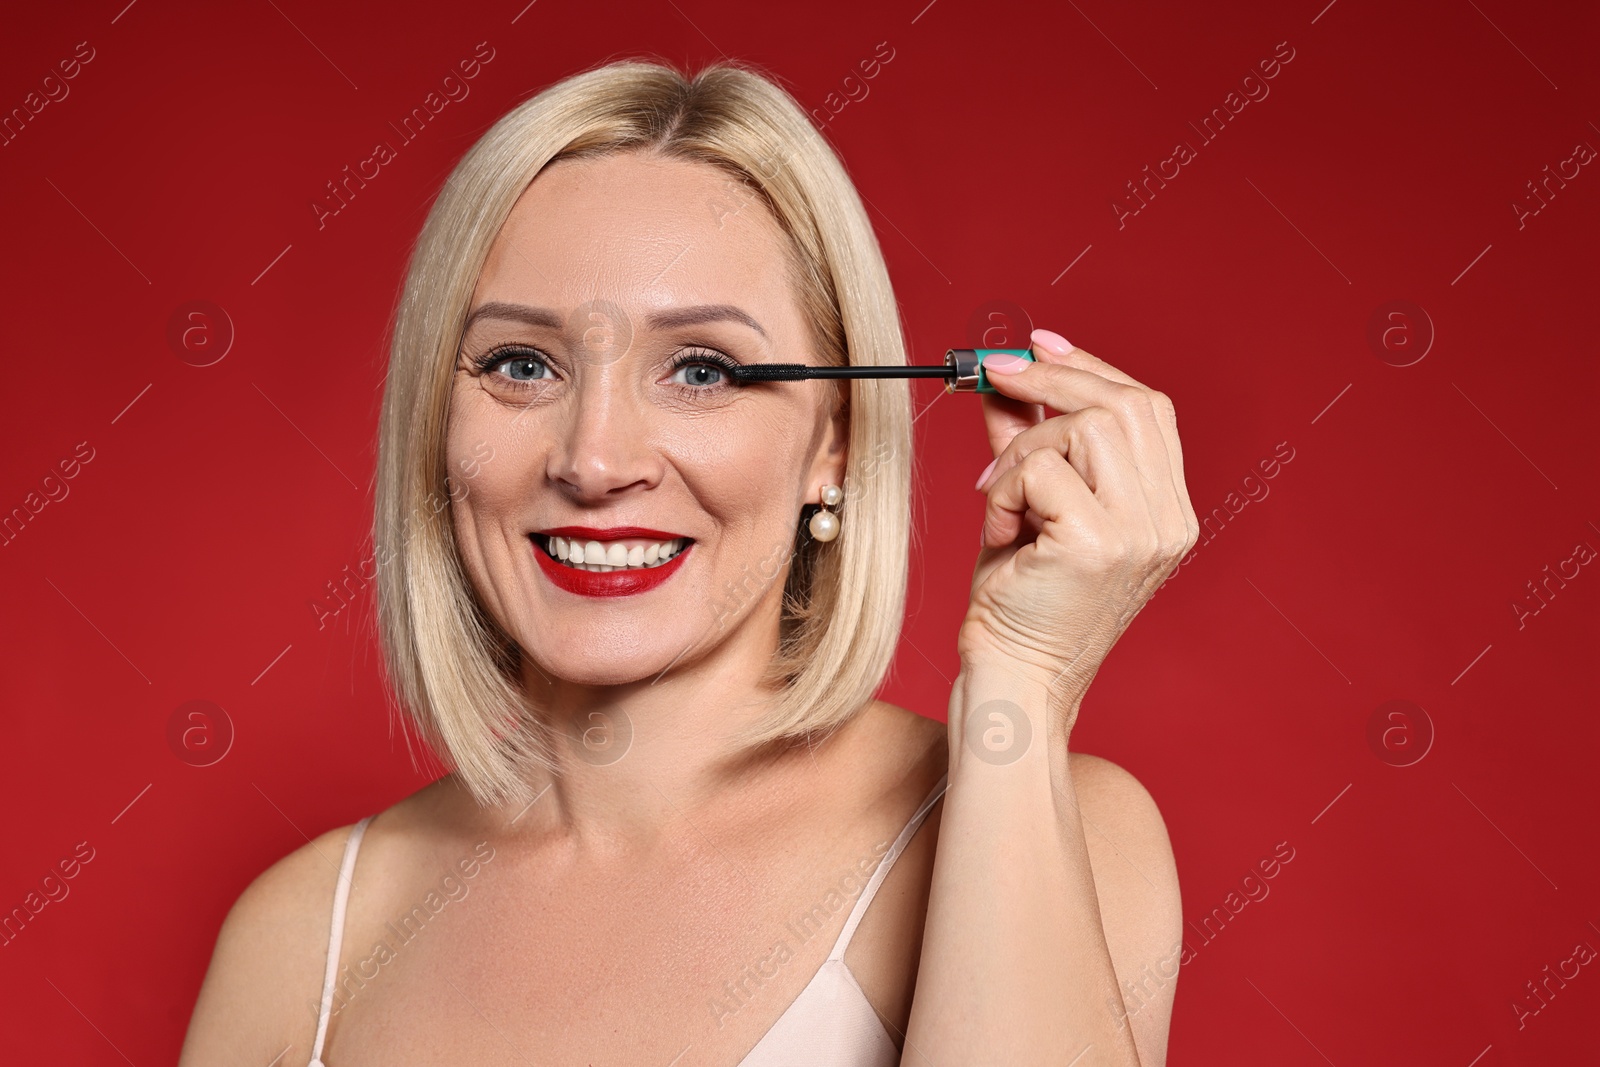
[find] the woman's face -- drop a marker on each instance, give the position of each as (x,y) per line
(609,279)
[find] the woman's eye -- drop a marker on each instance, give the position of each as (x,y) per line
(520,368)
(699,374)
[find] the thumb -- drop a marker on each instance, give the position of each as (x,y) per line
(1004,417)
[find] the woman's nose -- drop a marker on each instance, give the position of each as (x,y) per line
(603,448)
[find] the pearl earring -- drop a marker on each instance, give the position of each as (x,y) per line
(825,524)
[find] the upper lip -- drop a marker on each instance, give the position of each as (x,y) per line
(612,533)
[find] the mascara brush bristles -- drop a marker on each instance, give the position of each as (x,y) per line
(773,372)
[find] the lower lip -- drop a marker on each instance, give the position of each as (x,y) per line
(607,583)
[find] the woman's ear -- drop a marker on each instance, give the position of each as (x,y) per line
(837,447)
(831,461)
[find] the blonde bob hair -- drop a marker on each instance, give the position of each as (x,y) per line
(455,671)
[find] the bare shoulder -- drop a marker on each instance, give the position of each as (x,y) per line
(1128,844)
(258,997)
(909,733)
(262,989)
(1109,789)
(1136,882)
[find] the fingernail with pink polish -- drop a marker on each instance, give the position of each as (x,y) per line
(1051,341)
(1005,363)
(986,471)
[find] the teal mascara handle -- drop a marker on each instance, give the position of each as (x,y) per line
(965,367)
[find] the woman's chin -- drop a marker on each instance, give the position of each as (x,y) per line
(575,667)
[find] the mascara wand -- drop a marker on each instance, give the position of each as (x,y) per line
(962,370)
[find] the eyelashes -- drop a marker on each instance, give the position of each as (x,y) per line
(506,354)
(706,357)
(725,366)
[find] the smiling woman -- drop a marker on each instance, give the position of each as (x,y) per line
(619,405)
(645,637)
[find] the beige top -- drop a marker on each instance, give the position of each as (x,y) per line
(831,1021)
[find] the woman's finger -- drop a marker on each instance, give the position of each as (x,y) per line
(1091,441)
(1132,434)
(1072,388)
(1004,418)
(1090,455)
(1063,386)
(1051,347)
(1050,487)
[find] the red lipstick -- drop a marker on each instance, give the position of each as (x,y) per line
(606,583)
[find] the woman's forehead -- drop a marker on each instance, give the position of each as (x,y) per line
(644,234)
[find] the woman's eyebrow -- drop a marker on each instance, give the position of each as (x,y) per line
(531,316)
(692,316)
(660,320)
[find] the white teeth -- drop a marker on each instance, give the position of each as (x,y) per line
(595,556)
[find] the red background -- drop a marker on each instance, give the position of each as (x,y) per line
(1383,564)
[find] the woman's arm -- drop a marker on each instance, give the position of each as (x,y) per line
(1031,927)
(1053,884)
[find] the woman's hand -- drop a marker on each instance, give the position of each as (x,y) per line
(1087,514)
